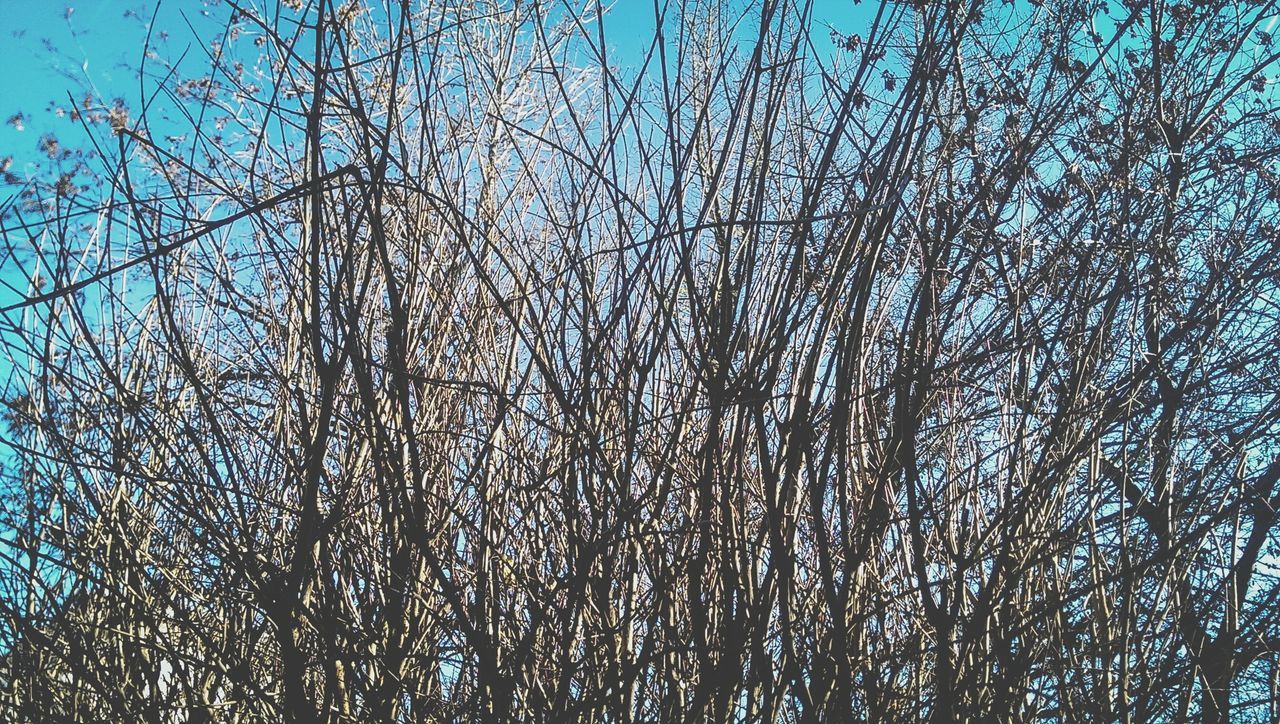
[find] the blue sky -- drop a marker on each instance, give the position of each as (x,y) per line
(51,49)
(98,42)
(97,39)
(47,50)
(52,52)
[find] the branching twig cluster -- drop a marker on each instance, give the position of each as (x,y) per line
(448,366)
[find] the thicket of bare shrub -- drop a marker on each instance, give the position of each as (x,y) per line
(431,361)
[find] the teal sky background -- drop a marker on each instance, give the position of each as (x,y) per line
(51,52)
(54,51)
(50,49)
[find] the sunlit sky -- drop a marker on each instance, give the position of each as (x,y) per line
(53,52)
(49,49)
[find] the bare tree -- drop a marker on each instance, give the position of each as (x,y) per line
(431,361)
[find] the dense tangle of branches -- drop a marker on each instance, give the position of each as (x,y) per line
(444,361)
